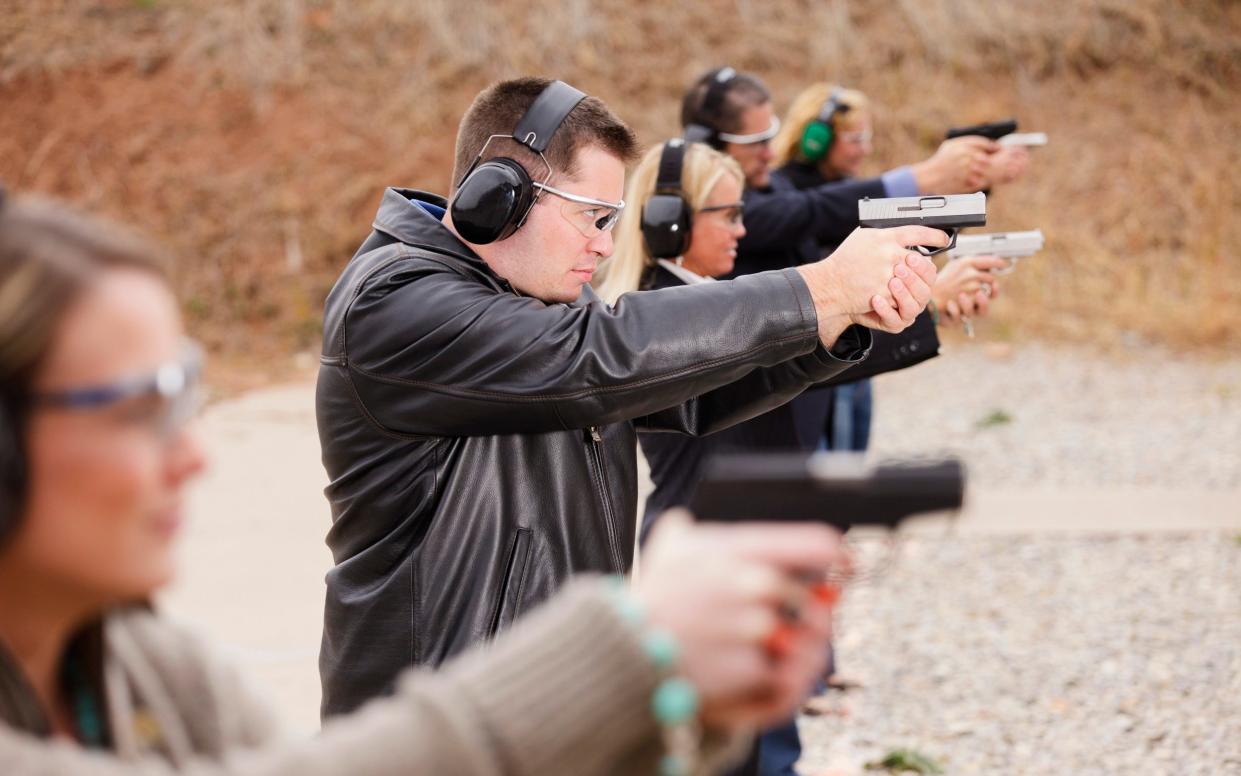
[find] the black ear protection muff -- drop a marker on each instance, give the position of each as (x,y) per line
(494,197)
(12,469)
(667,218)
(706,128)
(818,135)
(12,456)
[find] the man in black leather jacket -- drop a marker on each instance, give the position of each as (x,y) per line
(477,418)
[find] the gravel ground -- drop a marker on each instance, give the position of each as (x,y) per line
(1043,655)
(1046,417)
(1051,654)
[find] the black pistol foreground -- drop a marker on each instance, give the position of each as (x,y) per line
(840,489)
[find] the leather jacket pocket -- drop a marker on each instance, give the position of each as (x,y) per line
(508,604)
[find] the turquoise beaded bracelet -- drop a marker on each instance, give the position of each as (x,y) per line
(674,703)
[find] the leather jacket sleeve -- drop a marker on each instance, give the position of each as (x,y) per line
(430,351)
(762,389)
(892,352)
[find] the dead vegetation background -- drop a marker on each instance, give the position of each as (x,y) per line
(254,137)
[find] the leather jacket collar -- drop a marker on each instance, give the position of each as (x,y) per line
(401,218)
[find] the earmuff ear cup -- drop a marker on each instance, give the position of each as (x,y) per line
(815,140)
(12,472)
(492,201)
(700,133)
(667,222)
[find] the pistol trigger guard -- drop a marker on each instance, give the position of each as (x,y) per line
(1012,265)
(952,243)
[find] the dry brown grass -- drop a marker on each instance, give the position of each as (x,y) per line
(254,136)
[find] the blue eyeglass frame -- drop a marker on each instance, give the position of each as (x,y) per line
(175,381)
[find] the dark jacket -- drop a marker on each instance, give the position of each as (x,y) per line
(800,218)
(677,460)
(785,226)
(800,180)
(480,445)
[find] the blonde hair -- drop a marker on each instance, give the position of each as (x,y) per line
(805,109)
(701,168)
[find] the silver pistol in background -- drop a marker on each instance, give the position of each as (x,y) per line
(1006,245)
(1027,139)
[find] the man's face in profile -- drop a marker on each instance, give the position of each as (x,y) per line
(559,247)
(755,158)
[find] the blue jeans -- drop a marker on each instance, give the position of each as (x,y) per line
(848,425)
(779,750)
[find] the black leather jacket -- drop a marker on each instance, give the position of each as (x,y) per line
(480,445)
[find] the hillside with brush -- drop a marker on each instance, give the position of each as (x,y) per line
(254,137)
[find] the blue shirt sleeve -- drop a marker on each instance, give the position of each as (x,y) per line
(900,182)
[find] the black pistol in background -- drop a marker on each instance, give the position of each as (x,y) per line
(1006,245)
(1004,132)
(993,130)
(840,489)
(949,212)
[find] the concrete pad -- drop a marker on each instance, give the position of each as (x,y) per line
(253,556)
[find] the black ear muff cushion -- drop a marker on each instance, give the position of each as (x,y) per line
(492,201)
(666,225)
(12,472)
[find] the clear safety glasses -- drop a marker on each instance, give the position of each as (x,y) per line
(589,216)
(163,400)
(731,213)
(757,137)
(860,137)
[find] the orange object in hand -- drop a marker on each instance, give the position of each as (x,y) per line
(780,640)
(826,592)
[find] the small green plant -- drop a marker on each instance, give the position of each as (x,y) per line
(1237,538)
(903,760)
(996,417)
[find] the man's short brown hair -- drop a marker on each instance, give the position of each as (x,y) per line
(496,111)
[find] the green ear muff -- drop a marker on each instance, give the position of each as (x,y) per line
(816,138)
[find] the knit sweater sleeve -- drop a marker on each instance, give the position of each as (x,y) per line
(567,690)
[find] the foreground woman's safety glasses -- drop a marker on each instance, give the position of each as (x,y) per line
(163,400)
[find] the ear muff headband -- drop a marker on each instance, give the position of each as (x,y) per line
(667,218)
(818,135)
(495,196)
(546,114)
(706,129)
